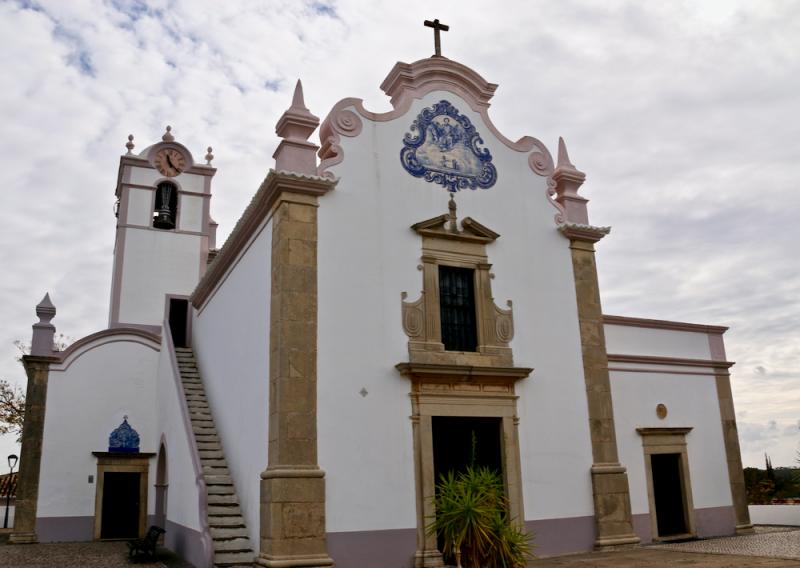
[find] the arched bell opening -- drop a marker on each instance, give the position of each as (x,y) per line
(166,206)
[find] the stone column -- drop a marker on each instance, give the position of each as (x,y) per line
(730,435)
(293,485)
(609,479)
(37,367)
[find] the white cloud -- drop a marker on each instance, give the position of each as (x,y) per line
(683,115)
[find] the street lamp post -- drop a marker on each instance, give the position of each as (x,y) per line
(12,461)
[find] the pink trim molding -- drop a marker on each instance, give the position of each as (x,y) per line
(100,338)
(675,361)
(409,82)
(663,324)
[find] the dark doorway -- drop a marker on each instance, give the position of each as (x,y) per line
(120,516)
(453,447)
(178,321)
(668,494)
(460,442)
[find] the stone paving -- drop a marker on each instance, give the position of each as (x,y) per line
(775,542)
(77,555)
(769,547)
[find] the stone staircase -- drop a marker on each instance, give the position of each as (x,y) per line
(228,532)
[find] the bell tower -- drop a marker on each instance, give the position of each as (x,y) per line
(164,230)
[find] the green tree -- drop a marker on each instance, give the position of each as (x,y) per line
(12,408)
(12,397)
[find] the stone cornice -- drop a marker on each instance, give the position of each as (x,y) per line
(463,372)
(668,431)
(275,184)
(664,324)
(586,233)
(410,79)
(673,361)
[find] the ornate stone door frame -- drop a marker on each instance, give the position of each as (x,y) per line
(462,391)
(121,462)
(668,441)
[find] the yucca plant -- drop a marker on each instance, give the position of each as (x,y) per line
(472,519)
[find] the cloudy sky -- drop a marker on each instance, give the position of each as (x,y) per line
(685,115)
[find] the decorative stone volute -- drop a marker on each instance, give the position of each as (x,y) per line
(44,331)
(295,153)
(568,180)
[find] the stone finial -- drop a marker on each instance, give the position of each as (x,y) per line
(568,180)
(563,156)
(209,156)
(168,137)
(130,145)
(295,153)
(43,330)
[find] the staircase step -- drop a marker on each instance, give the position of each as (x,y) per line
(206,439)
(224,511)
(232,545)
(200,418)
(211,454)
(226,533)
(220,490)
(209,446)
(226,521)
(218,479)
(214,499)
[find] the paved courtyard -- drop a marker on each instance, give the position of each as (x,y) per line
(770,547)
(77,555)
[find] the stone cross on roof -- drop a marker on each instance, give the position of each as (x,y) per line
(437,26)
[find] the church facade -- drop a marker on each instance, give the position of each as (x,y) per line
(415,293)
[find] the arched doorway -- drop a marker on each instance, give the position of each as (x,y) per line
(161,487)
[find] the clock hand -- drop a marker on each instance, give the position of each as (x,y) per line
(171,165)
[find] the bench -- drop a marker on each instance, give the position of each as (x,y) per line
(145,547)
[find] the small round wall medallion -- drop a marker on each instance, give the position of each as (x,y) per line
(661,411)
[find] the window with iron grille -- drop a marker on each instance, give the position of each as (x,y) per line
(457,303)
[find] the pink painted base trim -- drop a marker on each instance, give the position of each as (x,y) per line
(363,549)
(709,522)
(553,537)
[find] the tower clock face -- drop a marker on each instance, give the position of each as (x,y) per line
(170,162)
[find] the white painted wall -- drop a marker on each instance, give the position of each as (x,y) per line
(691,400)
(182,493)
(630,340)
(788,515)
(231,342)
(85,403)
(367,256)
(186,182)
(140,207)
(190,213)
(156,263)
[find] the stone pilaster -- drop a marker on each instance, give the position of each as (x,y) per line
(733,453)
(293,485)
(37,367)
(38,371)
(609,479)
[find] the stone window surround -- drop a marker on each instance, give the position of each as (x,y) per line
(122,462)
(458,383)
(668,441)
(444,244)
